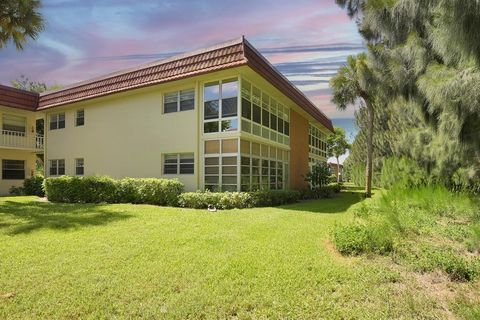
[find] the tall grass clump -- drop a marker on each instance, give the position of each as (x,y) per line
(426,228)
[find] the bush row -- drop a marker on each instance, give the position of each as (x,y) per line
(239,200)
(164,192)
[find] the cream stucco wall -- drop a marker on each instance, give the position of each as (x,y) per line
(125,135)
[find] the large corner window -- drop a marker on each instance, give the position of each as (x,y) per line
(264,116)
(57,167)
(263,167)
(14,125)
(179,163)
(220,111)
(179,101)
(13,169)
(57,121)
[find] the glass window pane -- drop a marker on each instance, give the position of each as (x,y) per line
(211,91)
(229,88)
(265,117)
(229,170)
(211,179)
(229,107)
(212,146)
(211,161)
(229,161)
(229,188)
(210,127)
(246,109)
(211,110)
(229,125)
(187,100)
(211,170)
(14,123)
(230,146)
(229,180)
(257,114)
(273,121)
(186,168)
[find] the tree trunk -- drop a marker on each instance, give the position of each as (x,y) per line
(369,168)
(338,171)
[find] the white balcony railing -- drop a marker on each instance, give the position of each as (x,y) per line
(21,140)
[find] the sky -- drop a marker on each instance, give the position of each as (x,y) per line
(307,40)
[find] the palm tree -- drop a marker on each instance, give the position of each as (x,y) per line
(337,145)
(356,81)
(19,20)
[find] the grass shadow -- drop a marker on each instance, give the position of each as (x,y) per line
(25,217)
(340,203)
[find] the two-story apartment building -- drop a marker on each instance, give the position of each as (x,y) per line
(221,118)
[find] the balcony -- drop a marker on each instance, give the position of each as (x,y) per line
(21,141)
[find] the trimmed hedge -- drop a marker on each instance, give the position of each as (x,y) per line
(322,192)
(97,189)
(238,200)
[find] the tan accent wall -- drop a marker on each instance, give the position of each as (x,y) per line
(299,150)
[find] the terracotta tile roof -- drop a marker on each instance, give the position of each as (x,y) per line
(16,98)
(230,54)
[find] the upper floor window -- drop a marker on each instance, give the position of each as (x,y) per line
(179,101)
(80,118)
(79,167)
(57,167)
(220,106)
(182,163)
(57,121)
(14,124)
(13,169)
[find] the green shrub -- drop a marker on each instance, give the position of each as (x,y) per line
(16,191)
(225,200)
(323,192)
(273,198)
(319,175)
(239,200)
(97,189)
(149,191)
(34,186)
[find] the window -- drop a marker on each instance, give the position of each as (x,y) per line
(263,116)
(263,167)
(183,163)
(80,118)
(221,170)
(220,110)
(14,125)
(179,101)
(57,167)
(317,143)
(13,169)
(79,167)
(57,121)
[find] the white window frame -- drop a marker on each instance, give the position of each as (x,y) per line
(81,166)
(57,116)
(77,117)
(220,118)
(178,163)
(179,94)
(57,166)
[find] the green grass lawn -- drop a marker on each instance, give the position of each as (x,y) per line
(130,261)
